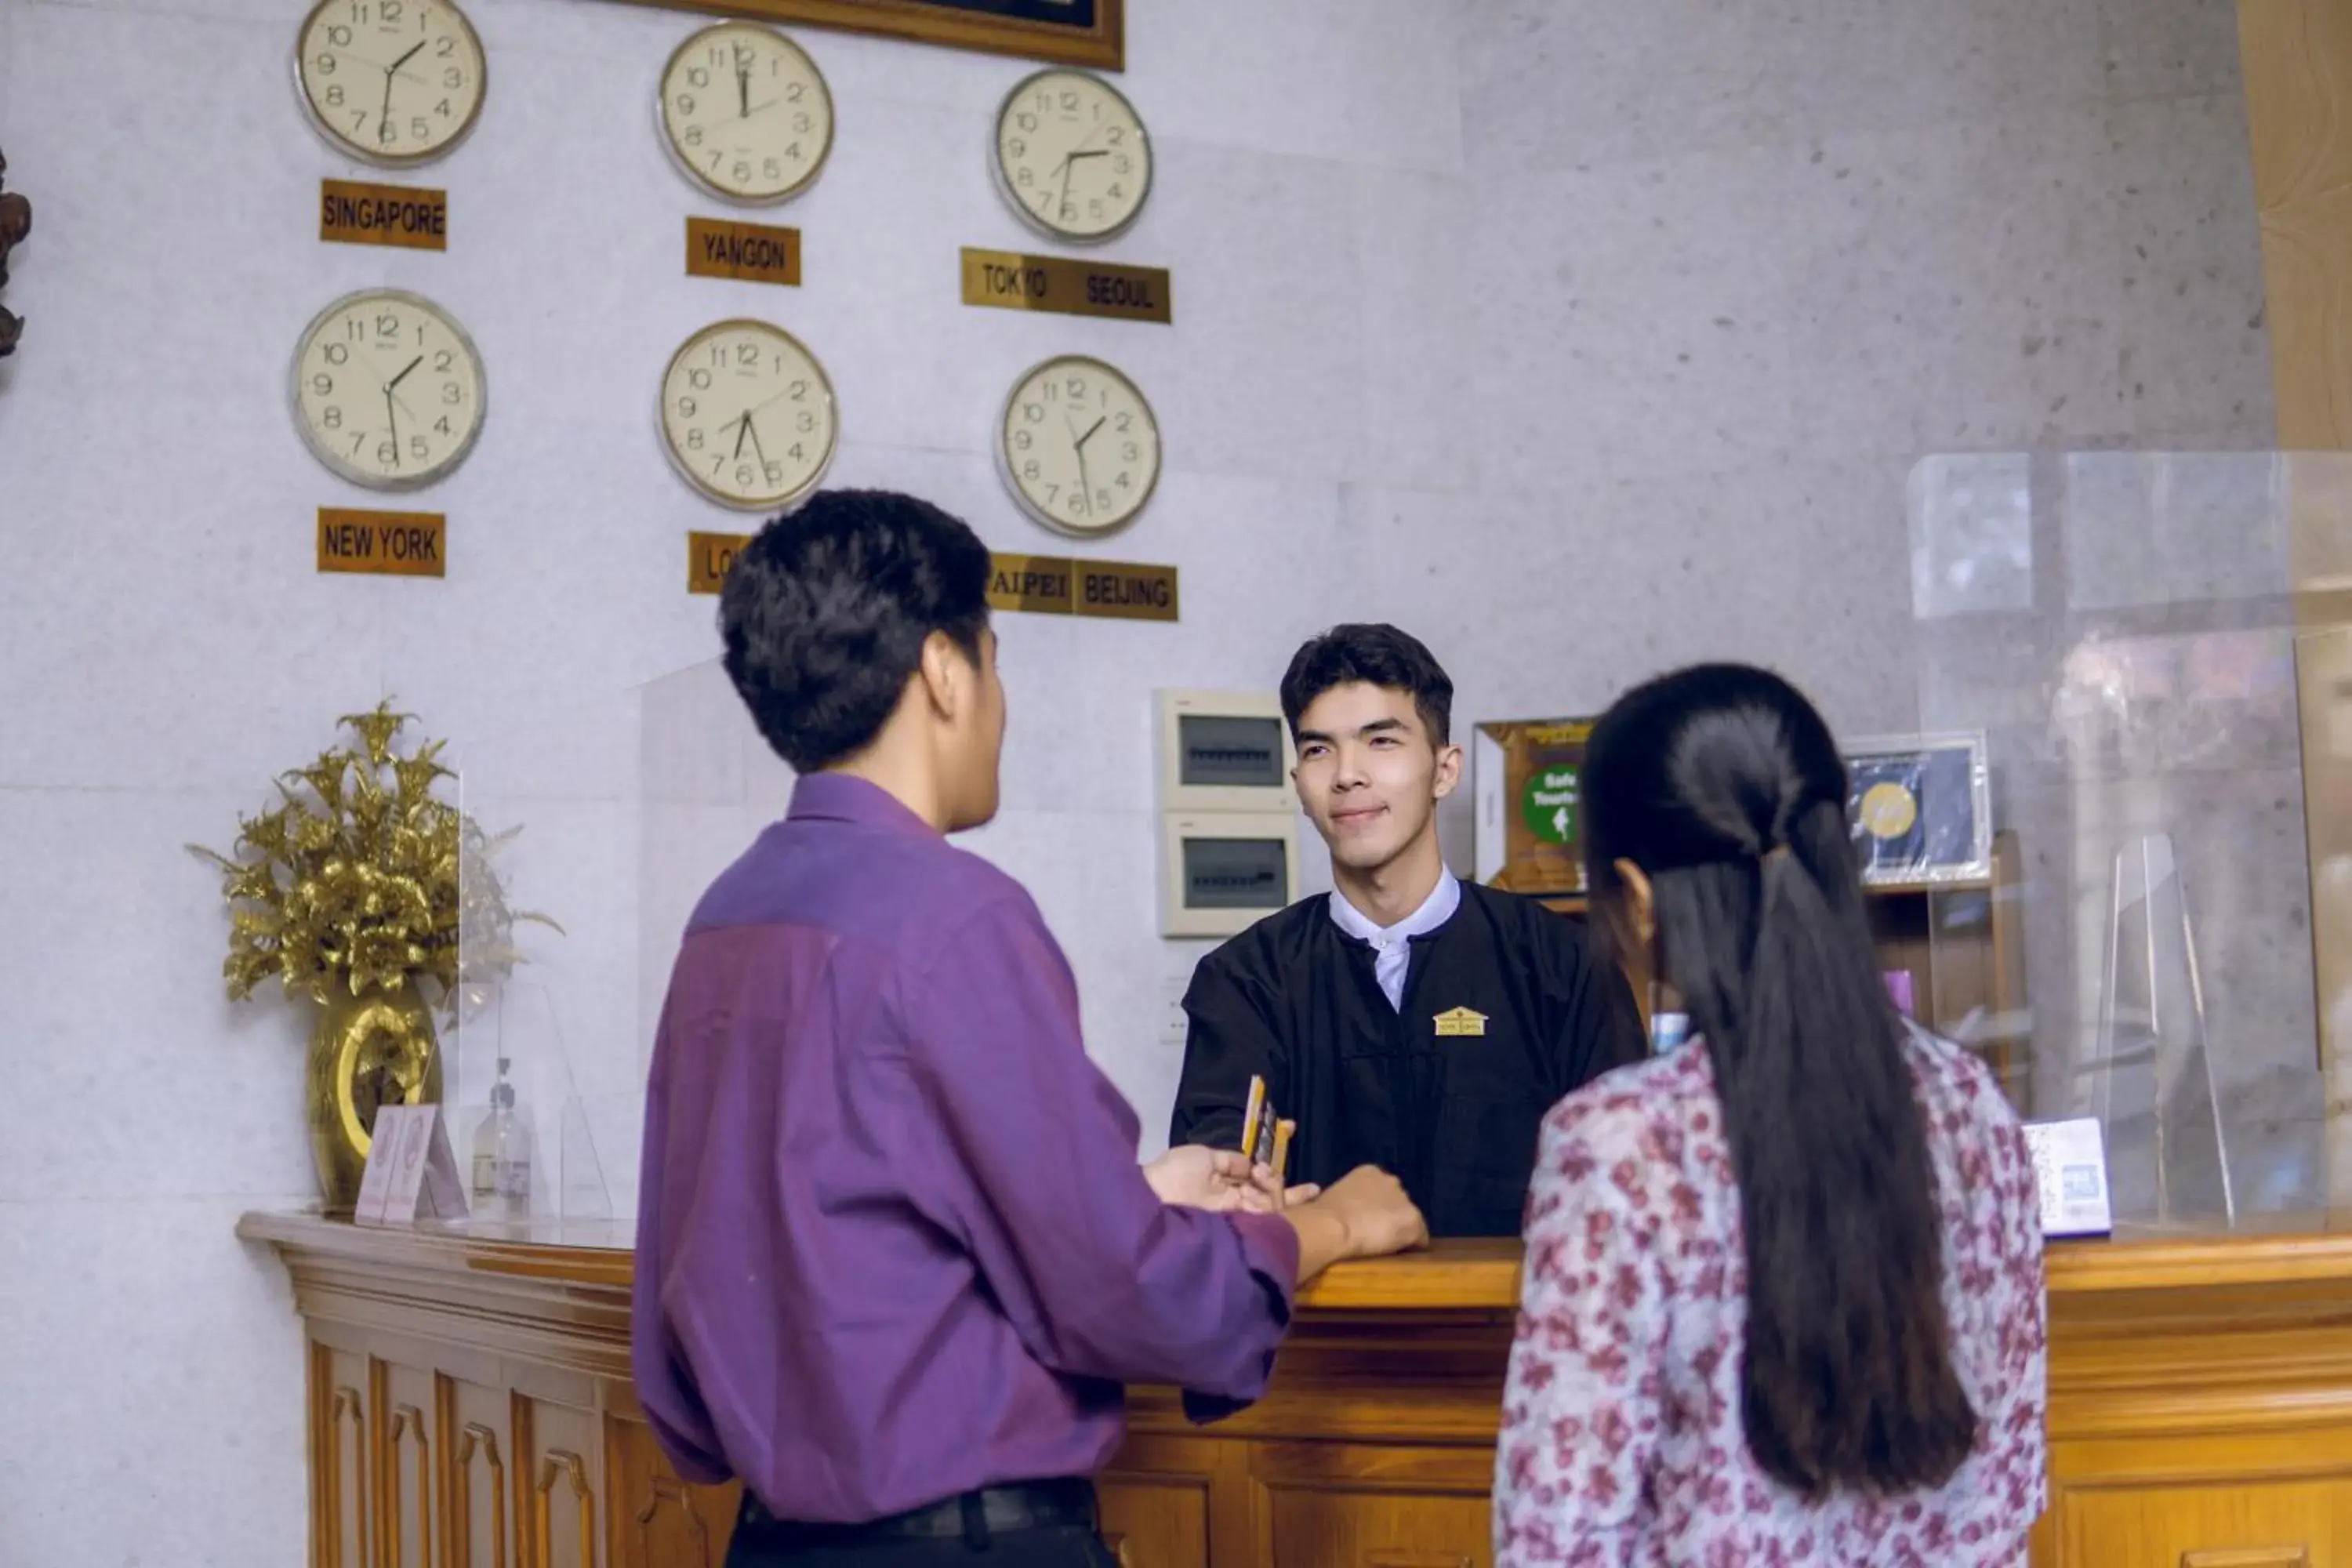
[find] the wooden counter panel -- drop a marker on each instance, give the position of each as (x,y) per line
(2201,1413)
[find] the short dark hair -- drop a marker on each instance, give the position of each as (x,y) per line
(1723,784)
(1379,655)
(826,612)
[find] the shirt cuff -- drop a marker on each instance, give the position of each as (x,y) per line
(1270,1248)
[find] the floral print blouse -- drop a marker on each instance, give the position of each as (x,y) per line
(1622,1440)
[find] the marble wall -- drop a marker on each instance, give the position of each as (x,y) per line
(1580,339)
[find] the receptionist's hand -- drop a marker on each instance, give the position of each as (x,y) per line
(1377,1217)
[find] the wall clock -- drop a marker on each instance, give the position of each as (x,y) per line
(1078,445)
(1072,157)
(388,390)
(396,82)
(748,416)
(746,113)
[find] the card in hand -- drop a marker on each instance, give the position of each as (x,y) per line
(1261,1129)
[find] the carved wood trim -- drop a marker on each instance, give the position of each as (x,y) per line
(475,1436)
(559,1461)
(407,1418)
(670,1489)
(348,1398)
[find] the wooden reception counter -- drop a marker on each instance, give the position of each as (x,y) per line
(470,1407)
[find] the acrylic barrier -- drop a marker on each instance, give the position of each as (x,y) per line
(2150,657)
(705,785)
(523,1115)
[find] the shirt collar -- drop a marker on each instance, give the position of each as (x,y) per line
(1434,911)
(844,797)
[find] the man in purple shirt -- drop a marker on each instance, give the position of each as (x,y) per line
(894,1256)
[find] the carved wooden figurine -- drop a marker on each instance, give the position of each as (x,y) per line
(15,223)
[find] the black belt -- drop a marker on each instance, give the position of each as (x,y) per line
(975,1516)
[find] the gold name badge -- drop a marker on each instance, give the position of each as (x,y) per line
(1067,285)
(407,216)
(707,557)
(1457,1022)
(747,252)
(387,543)
(1100,590)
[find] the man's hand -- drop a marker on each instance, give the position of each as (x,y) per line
(1200,1177)
(1220,1179)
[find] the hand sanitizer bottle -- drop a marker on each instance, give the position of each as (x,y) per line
(502,1143)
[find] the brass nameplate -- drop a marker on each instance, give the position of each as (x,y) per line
(748,252)
(390,543)
(1104,590)
(1066,284)
(707,557)
(1037,584)
(1122,591)
(404,216)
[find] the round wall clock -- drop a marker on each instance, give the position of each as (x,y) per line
(1078,445)
(748,416)
(392,81)
(746,113)
(1072,157)
(388,389)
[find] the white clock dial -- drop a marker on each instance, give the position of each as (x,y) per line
(1072,157)
(392,81)
(746,113)
(388,390)
(748,416)
(1080,445)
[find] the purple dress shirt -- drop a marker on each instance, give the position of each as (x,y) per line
(892,1241)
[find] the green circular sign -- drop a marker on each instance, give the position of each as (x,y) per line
(1548,806)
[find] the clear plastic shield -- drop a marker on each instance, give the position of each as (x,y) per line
(2148,646)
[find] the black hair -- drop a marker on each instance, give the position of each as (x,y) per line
(825,611)
(1724,786)
(1379,655)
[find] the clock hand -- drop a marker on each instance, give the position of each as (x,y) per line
(756,446)
(743,91)
(394,420)
(743,427)
(396,380)
(1090,431)
(407,58)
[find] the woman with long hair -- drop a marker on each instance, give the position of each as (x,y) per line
(1783,1298)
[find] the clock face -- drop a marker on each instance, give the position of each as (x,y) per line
(388,390)
(1080,445)
(392,81)
(746,113)
(1071,156)
(748,416)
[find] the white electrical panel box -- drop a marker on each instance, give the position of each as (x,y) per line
(1223,750)
(1221,872)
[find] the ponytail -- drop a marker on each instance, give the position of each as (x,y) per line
(1848,1378)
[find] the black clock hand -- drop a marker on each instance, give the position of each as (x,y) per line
(405,58)
(393,420)
(396,380)
(742,428)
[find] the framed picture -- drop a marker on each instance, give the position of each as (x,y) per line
(1526,775)
(1920,808)
(1090,33)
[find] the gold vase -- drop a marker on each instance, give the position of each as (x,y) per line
(375,1048)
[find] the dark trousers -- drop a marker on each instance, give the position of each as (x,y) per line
(1050,1524)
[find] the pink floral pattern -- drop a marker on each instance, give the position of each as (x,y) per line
(1621,1443)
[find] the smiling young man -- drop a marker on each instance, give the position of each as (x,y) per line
(1408,1018)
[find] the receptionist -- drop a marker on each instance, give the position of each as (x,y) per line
(1409,1019)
